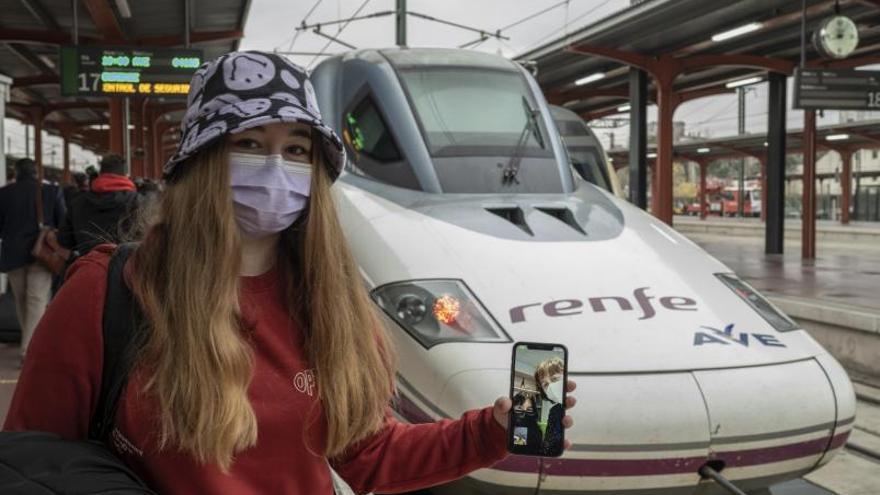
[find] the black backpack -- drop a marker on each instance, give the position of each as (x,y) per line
(39,463)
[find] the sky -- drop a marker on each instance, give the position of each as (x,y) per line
(272,26)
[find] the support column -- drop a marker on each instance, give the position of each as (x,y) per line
(704,169)
(116,125)
(638,138)
(808,208)
(5,87)
(137,157)
(774,233)
(37,121)
(65,147)
(661,204)
(763,162)
(845,185)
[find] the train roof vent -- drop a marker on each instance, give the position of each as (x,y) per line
(564,215)
(514,215)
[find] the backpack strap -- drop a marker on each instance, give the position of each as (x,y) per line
(123,339)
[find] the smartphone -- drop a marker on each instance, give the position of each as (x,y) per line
(538,374)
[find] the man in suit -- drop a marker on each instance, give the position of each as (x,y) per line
(30,281)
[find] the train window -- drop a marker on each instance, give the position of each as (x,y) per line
(480,126)
(368,134)
(584,149)
(372,147)
(586,160)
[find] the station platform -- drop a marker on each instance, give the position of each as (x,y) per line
(835,296)
(846,269)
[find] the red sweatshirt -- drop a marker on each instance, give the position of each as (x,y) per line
(60,383)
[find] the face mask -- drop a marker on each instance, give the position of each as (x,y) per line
(554,391)
(268,192)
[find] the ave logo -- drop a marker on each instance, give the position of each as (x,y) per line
(727,336)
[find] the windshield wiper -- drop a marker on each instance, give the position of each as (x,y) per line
(510,171)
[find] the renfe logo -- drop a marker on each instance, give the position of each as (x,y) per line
(568,307)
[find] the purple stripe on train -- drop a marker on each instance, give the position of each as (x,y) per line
(643,467)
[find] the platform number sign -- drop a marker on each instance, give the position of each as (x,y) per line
(874,99)
(127,71)
(828,89)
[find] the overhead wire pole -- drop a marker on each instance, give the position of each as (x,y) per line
(400,23)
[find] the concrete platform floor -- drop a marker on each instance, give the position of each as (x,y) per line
(843,272)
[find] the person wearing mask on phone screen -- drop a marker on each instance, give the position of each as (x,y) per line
(549,376)
(265,360)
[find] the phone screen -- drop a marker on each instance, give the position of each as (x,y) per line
(537,389)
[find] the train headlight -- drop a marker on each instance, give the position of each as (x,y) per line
(774,316)
(438,311)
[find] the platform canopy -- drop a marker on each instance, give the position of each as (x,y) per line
(844,138)
(672,51)
(32,32)
(667,31)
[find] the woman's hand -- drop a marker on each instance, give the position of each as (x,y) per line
(501,411)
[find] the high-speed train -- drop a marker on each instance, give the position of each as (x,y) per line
(585,151)
(472,232)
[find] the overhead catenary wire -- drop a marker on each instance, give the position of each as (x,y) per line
(534,15)
(569,23)
(297,32)
(529,17)
(327,45)
(496,34)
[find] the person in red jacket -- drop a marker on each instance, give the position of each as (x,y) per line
(265,360)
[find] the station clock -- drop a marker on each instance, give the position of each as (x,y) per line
(836,37)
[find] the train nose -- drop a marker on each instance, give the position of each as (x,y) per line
(653,431)
(772,423)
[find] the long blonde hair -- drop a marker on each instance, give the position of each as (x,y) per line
(199,362)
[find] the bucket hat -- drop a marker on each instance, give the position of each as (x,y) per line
(241,90)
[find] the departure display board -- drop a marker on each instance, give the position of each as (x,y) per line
(127,71)
(828,89)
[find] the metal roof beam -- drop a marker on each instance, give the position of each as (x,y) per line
(697,62)
(41,14)
(194,37)
(39,36)
(30,58)
(625,57)
(42,79)
(105,20)
(65,105)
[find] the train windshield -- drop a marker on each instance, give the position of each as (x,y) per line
(482,129)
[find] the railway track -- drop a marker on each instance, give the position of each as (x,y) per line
(856,470)
(865,439)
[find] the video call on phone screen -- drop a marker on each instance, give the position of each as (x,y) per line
(538,400)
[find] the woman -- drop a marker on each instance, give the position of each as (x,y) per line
(265,357)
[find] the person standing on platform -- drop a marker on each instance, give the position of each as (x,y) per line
(80,185)
(29,280)
(103,214)
(265,361)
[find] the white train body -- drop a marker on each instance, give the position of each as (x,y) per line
(677,363)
